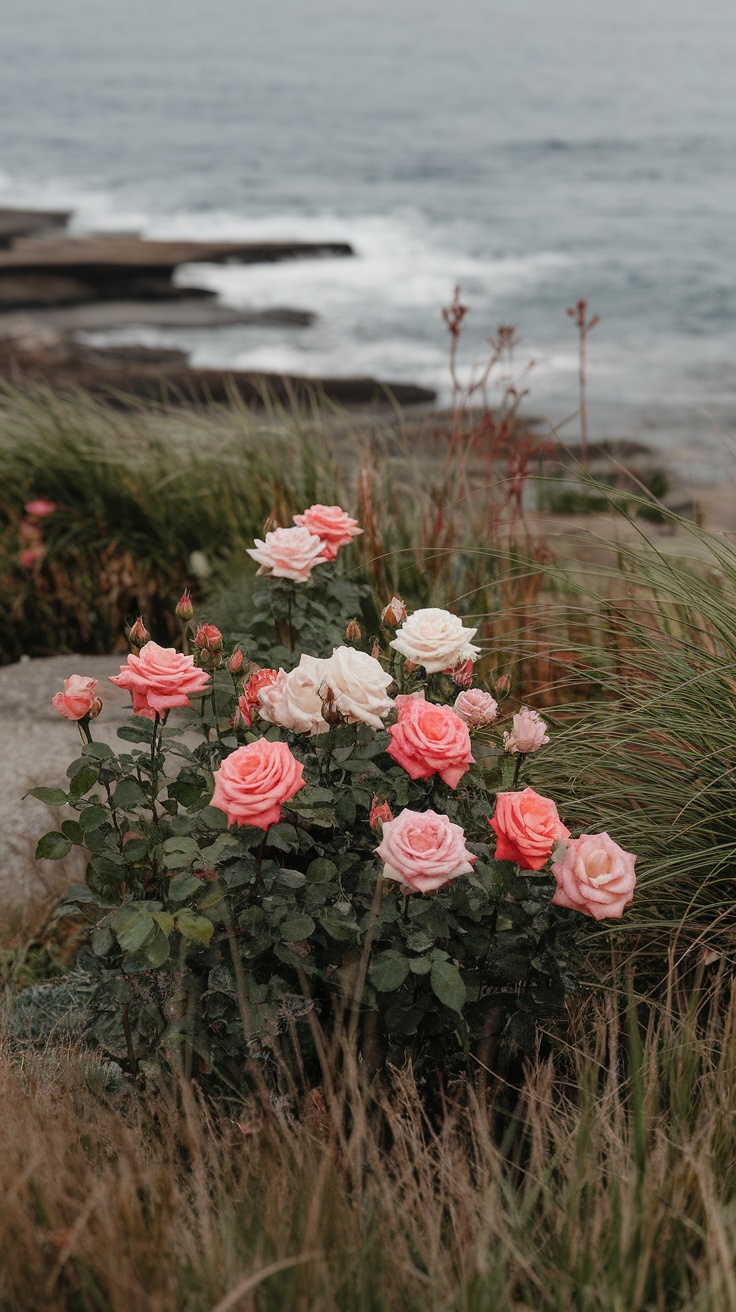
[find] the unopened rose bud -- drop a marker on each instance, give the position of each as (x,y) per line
(463,674)
(235,664)
(353,632)
(185,609)
(502,686)
(410,667)
(380,814)
(395,613)
(376,650)
(138,634)
(208,637)
(95,708)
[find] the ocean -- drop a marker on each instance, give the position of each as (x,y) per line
(533,151)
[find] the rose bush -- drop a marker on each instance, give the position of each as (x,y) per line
(312,828)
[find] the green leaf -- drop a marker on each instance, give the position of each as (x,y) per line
(224,845)
(213,818)
(156,947)
(131,925)
(388,972)
(179,853)
(197,928)
(164,919)
(344,931)
(102,751)
(72,830)
(83,780)
(447,985)
(296,928)
(128,793)
(182,886)
(53,847)
(92,817)
(291,878)
(142,732)
(420,966)
(101,940)
(51,796)
(321,871)
(187,794)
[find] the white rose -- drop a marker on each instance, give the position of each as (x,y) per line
(357,685)
(294,700)
(435,639)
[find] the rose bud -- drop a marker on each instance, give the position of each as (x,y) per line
(395,613)
(410,667)
(376,650)
(138,634)
(185,609)
(462,674)
(235,664)
(95,708)
(208,637)
(380,814)
(502,686)
(353,632)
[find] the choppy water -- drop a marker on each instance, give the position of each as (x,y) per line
(532,150)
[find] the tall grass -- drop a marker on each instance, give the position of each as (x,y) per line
(606,1181)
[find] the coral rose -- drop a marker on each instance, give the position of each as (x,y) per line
(295,700)
(435,639)
(356,684)
(423,851)
(79,698)
(527,827)
(253,782)
(528,732)
(429,739)
(330,523)
(476,708)
(380,814)
(289,553)
(595,876)
(160,678)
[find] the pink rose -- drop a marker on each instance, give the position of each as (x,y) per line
(254,781)
(330,523)
(595,876)
(528,732)
(380,814)
(429,740)
(40,508)
(159,678)
(423,851)
(527,827)
(476,708)
(78,699)
(289,553)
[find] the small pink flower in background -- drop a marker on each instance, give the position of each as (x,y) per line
(184,608)
(476,708)
(138,634)
(30,557)
(395,613)
(208,637)
(255,781)
(528,732)
(40,508)
(330,523)
(429,740)
(289,553)
(595,876)
(527,827)
(235,664)
(423,851)
(79,698)
(159,679)
(462,674)
(502,686)
(380,814)
(28,532)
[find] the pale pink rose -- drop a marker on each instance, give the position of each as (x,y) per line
(435,639)
(289,553)
(40,508)
(528,732)
(595,876)
(160,678)
(394,613)
(526,826)
(476,708)
(330,523)
(423,850)
(356,685)
(255,781)
(295,700)
(429,739)
(78,699)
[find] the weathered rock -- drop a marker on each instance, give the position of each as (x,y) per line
(27,223)
(186,312)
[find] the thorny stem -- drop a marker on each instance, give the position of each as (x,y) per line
(289,596)
(364,959)
(517,769)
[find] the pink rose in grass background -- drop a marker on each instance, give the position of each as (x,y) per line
(160,678)
(528,732)
(330,523)
(429,740)
(435,639)
(40,508)
(289,553)
(595,876)
(527,827)
(79,698)
(255,781)
(294,700)
(476,708)
(423,851)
